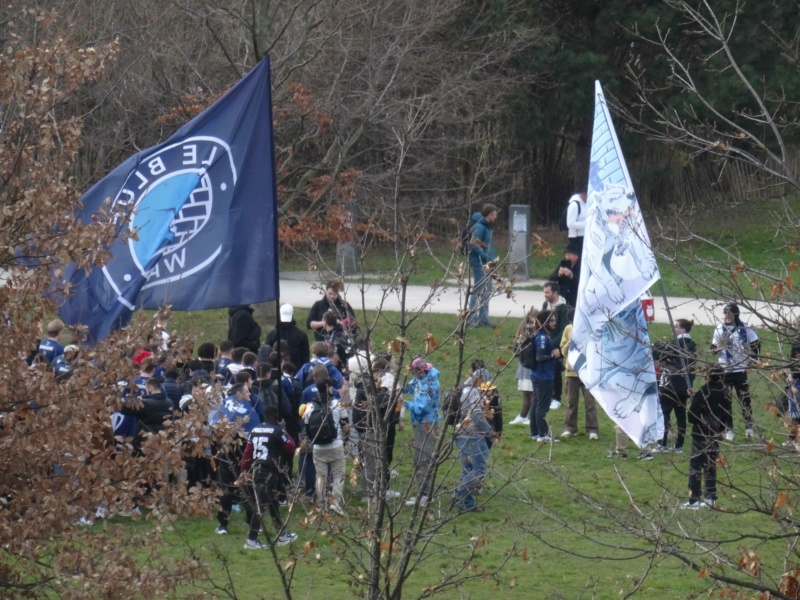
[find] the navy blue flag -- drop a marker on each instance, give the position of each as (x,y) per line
(204,210)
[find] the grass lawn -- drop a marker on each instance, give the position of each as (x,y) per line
(536,502)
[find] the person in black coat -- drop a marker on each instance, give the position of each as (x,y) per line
(708,418)
(243,330)
(150,411)
(331,301)
(677,361)
(295,338)
(568,274)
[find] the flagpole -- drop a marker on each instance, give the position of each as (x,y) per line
(684,366)
(275,218)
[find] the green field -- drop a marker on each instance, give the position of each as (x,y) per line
(559,522)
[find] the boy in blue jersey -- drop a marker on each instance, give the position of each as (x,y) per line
(235,409)
(225,358)
(51,348)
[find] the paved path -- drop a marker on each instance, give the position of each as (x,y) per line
(302,289)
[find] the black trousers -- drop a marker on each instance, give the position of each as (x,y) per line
(558,380)
(703,466)
(671,402)
(738,381)
(226,479)
(264,492)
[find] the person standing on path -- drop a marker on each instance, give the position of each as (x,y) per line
(481,261)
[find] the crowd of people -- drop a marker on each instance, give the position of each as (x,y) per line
(324,402)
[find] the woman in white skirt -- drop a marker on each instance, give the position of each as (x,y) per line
(523,375)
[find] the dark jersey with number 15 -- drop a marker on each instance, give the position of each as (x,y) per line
(265,445)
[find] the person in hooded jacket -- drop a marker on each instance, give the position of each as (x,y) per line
(677,361)
(296,339)
(708,419)
(243,330)
(481,254)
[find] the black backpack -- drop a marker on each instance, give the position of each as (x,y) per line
(320,427)
(527,355)
(562,222)
(451,406)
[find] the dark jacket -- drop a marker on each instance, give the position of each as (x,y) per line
(561,311)
(673,373)
(545,363)
(154,409)
(243,330)
(320,307)
(296,340)
(174,391)
(568,287)
(707,410)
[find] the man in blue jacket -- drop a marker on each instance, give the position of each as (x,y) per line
(481,257)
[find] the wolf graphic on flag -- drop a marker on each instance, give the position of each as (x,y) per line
(610,348)
(615,232)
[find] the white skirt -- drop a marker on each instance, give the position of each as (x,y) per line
(523,376)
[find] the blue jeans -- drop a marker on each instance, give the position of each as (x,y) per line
(542,395)
(481,293)
(307,474)
(474,454)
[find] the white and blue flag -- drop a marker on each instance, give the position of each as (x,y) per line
(203,208)
(610,348)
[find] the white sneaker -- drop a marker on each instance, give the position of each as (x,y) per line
(518,420)
(286,538)
(694,505)
(253,545)
(555,404)
(392,494)
(594,436)
(710,502)
(748,433)
(337,509)
(547,439)
(567,434)
(221,530)
(729,435)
